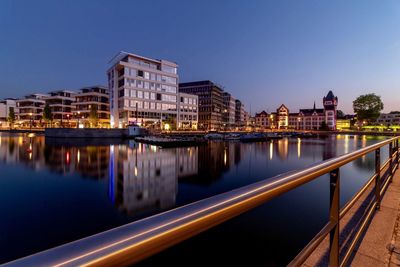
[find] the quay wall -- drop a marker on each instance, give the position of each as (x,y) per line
(85,133)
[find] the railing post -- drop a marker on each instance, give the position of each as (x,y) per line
(334,217)
(378,178)
(391,161)
(398,153)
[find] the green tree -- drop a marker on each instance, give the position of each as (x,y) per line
(47,115)
(93,116)
(368,107)
(340,114)
(11,117)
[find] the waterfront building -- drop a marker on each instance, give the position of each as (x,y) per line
(29,110)
(389,119)
(210,102)
(93,98)
(142,91)
(60,103)
(229,110)
(282,117)
(239,113)
(188,111)
(263,120)
(343,124)
(5,106)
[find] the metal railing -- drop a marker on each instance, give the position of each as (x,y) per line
(133,242)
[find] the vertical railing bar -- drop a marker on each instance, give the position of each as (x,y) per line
(391,160)
(334,217)
(398,153)
(378,178)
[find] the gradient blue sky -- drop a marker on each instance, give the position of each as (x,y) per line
(263,52)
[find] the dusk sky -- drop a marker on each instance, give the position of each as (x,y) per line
(263,52)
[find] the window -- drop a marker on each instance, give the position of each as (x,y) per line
(158,96)
(140,73)
(146,95)
(146,75)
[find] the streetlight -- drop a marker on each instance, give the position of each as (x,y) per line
(30,121)
(68,120)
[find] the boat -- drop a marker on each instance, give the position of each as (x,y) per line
(171,142)
(214,136)
(253,137)
(232,137)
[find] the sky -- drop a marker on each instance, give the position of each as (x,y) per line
(264,53)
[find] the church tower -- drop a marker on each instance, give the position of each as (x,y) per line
(330,104)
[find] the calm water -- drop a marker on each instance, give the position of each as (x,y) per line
(56,191)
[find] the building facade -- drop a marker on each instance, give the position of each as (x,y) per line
(389,119)
(239,114)
(229,111)
(5,106)
(29,110)
(210,102)
(188,113)
(90,99)
(60,103)
(142,91)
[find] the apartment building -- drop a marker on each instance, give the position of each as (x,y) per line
(188,112)
(29,110)
(229,110)
(60,103)
(142,91)
(93,98)
(389,119)
(5,106)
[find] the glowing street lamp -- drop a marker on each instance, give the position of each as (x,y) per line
(30,121)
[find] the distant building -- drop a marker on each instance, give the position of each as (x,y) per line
(310,119)
(5,106)
(143,91)
(96,97)
(262,119)
(389,119)
(305,119)
(210,103)
(282,117)
(188,112)
(239,113)
(60,103)
(29,110)
(229,110)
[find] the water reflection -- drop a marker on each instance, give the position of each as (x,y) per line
(105,183)
(144,177)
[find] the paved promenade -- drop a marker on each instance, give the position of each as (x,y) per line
(380,244)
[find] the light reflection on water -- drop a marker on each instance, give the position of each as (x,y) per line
(69,189)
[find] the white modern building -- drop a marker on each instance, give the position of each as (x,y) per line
(60,103)
(229,110)
(188,113)
(30,109)
(5,106)
(142,91)
(96,97)
(389,119)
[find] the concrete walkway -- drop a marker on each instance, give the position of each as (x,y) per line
(380,244)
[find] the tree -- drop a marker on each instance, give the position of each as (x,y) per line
(340,114)
(11,117)
(367,107)
(93,116)
(47,115)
